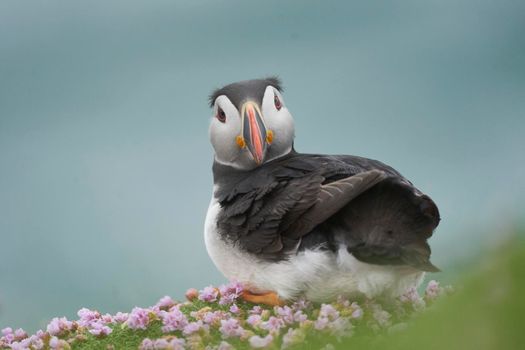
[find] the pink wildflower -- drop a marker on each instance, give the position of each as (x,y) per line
(300,316)
(231,328)
(261,342)
(164,303)
(138,318)
(87,316)
(58,326)
(193,327)
(230,292)
(357,312)
(208,294)
(285,313)
(274,324)
(213,317)
(191,294)
(99,329)
(254,320)
(147,344)
(234,309)
(256,310)
(120,317)
(173,320)
(433,290)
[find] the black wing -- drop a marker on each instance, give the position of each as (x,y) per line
(309,198)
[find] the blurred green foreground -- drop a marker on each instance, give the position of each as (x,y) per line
(486,312)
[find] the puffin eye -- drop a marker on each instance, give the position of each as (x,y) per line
(221,115)
(277,102)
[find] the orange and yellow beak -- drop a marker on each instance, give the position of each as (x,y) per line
(254,134)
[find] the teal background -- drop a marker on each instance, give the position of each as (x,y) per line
(105,161)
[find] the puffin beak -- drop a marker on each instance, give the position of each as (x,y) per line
(254,134)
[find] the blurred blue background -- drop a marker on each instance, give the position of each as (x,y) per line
(104,156)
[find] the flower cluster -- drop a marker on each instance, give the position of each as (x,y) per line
(217,319)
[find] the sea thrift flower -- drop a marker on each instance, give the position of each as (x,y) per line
(411,296)
(273,325)
(58,344)
(328,311)
(231,328)
(212,317)
(87,316)
(357,312)
(256,310)
(260,342)
(433,290)
(300,316)
(99,329)
(138,318)
(208,294)
(230,292)
(120,317)
(58,326)
(234,309)
(254,320)
(147,344)
(173,320)
(285,313)
(164,303)
(193,327)
(191,294)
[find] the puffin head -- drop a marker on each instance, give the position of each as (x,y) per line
(251,124)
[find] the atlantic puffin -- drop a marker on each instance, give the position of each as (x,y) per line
(288,225)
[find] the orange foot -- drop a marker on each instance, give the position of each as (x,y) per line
(271,298)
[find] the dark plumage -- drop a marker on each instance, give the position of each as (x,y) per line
(268,211)
(242,90)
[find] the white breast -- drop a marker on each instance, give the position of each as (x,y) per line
(318,275)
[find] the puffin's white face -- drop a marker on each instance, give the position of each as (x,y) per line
(250,135)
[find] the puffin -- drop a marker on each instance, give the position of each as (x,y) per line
(289,225)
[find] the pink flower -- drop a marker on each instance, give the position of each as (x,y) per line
(55,343)
(164,303)
(99,329)
(20,334)
(231,328)
(58,326)
(299,316)
(260,342)
(213,317)
(357,312)
(208,294)
(193,327)
(230,292)
(411,296)
(285,313)
(256,310)
(234,309)
(120,317)
(328,311)
(173,320)
(433,290)
(274,324)
(254,320)
(147,344)
(138,318)
(191,294)
(87,316)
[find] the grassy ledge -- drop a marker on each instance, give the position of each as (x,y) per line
(486,313)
